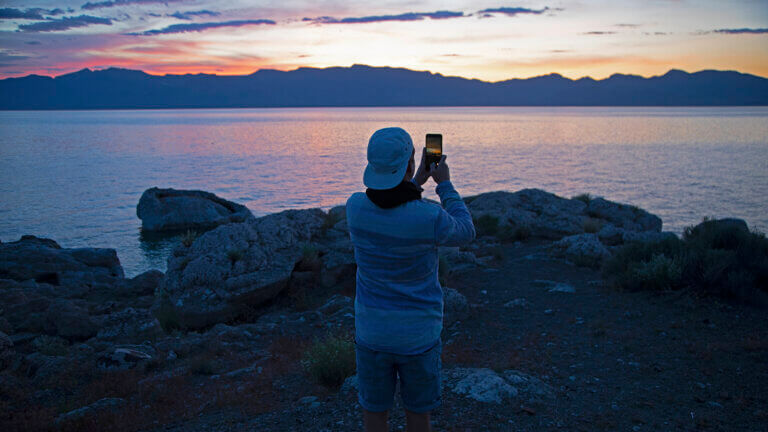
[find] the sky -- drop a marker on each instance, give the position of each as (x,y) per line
(491,40)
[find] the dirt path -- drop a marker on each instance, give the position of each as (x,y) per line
(616,361)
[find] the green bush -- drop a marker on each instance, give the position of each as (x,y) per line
(330,360)
(189,237)
(486,225)
(713,258)
(585,198)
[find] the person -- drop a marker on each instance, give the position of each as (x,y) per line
(398,299)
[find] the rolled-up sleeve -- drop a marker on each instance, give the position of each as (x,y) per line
(453,226)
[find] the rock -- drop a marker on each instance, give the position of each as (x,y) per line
(610,235)
(543,214)
(175,209)
(518,302)
(65,319)
(582,249)
(235,267)
(40,366)
(529,388)
(44,261)
(349,385)
(146,283)
(101,405)
(484,385)
(455,306)
(625,216)
(129,326)
(336,303)
(125,357)
(553,286)
(307,400)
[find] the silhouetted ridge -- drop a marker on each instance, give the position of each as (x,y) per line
(362,85)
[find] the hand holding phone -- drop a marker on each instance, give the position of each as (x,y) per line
(434,149)
(440,173)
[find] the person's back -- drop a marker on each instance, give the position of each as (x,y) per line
(399,300)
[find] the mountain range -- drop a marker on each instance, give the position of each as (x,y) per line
(361,85)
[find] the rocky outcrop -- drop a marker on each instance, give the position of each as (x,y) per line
(175,209)
(625,216)
(235,267)
(541,213)
(44,261)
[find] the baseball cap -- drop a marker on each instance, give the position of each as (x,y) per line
(389,151)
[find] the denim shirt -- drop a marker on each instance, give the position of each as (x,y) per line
(399,300)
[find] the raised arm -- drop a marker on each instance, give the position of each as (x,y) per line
(453,226)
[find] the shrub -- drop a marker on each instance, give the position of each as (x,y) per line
(442,270)
(50,345)
(202,365)
(592,225)
(165,313)
(714,257)
(330,360)
(189,237)
(310,259)
(585,198)
(486,225)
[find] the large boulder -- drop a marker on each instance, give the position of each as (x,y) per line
(233,268)
(174,209)
(542,213)
(625,216)
(68,320)
(581,249)
(44,261)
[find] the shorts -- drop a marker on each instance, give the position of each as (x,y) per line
(377,374)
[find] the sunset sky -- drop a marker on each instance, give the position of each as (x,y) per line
(490,40)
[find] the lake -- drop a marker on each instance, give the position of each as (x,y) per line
(76,176)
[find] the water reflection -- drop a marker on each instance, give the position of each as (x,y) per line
(77,176)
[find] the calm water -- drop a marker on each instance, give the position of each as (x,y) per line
(76,177)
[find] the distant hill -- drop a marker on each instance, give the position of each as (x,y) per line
(371,86)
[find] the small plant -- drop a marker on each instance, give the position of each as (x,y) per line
(310,259)
(486,225)
(165,313)
(592,225)
(585,198)
(235,255)
(330,360)
(50,345)
(188,238)
(442,270)
(660,273)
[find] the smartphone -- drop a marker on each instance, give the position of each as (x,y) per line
(434,148)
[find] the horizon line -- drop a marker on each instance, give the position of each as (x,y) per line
(103,68)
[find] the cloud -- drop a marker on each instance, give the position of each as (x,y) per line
(598,33)
(190,14)
(512,11)
(32,42)
(30,14)
(627,25)
(7,59)
(408,16)
(742,31)
(198,27)
(62,24)
(113,3)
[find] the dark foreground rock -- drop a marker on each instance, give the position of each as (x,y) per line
(175,209)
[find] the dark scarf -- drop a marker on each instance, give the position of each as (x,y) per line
(391,198)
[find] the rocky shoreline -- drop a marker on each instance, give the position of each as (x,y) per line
(83,347)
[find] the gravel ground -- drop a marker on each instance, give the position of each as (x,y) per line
(615,361)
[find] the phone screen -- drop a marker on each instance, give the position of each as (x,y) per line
(434,148)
